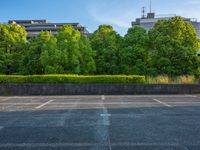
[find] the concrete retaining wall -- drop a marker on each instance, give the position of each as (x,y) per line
(88,89)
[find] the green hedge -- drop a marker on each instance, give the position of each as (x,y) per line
(72,79)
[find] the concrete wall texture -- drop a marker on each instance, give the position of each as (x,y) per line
(96,89)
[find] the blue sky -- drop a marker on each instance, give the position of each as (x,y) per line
(92,13)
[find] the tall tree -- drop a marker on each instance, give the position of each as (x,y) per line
(12,41)
(106,44)
(174,45)
(135,51)
(41,55)
(87,64)
(31,63)
(51,57)
(68,43)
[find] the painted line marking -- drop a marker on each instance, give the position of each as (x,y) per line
(7,107)
(165,104)
(103,97)
(110,147)
(40,106)
(153,96)
(21,103)
(120,103)
(184,102)
(90,144)
(106,103)
(5,99)
(191,95)
(105,115)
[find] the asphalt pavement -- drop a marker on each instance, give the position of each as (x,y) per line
(100,122)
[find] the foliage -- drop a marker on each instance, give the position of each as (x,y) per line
(71,79)
(51,56)
(106,44)
(89,79)
(174,45)
(12,40)
(31,63)
(68,43)
(87,63)
(69,52)
(135,51)
(170,48)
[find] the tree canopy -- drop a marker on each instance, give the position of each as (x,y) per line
(169,48)
(12,41)
(174,45)
(106,44)
(135,51)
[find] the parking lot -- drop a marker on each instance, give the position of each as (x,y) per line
(100,122)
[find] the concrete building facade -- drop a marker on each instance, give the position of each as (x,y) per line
(147,22)
(34,27)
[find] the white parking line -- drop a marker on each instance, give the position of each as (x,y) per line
(106,103)
(190,95)
(105,115)
(103,97)
(40,106)
(5,99)
(20,103)
(153,96)
(162,102)
(34,145)
(184,102)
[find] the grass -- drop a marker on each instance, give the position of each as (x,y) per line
(186,80)
(163,79)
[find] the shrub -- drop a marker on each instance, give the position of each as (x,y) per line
(80,79)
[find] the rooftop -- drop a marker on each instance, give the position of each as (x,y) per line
(33,27)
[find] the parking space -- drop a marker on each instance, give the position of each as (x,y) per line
(100,122)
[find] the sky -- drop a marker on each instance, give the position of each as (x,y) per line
(92,13)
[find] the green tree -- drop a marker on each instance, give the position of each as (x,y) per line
(42,55)
(106,43)
(135,51)
(51,57)
(174,45)
(87,64)
(12,41)
(68,43)
(31,63)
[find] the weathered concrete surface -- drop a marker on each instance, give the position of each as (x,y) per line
(88,89)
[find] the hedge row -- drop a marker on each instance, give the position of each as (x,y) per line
(80,79)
